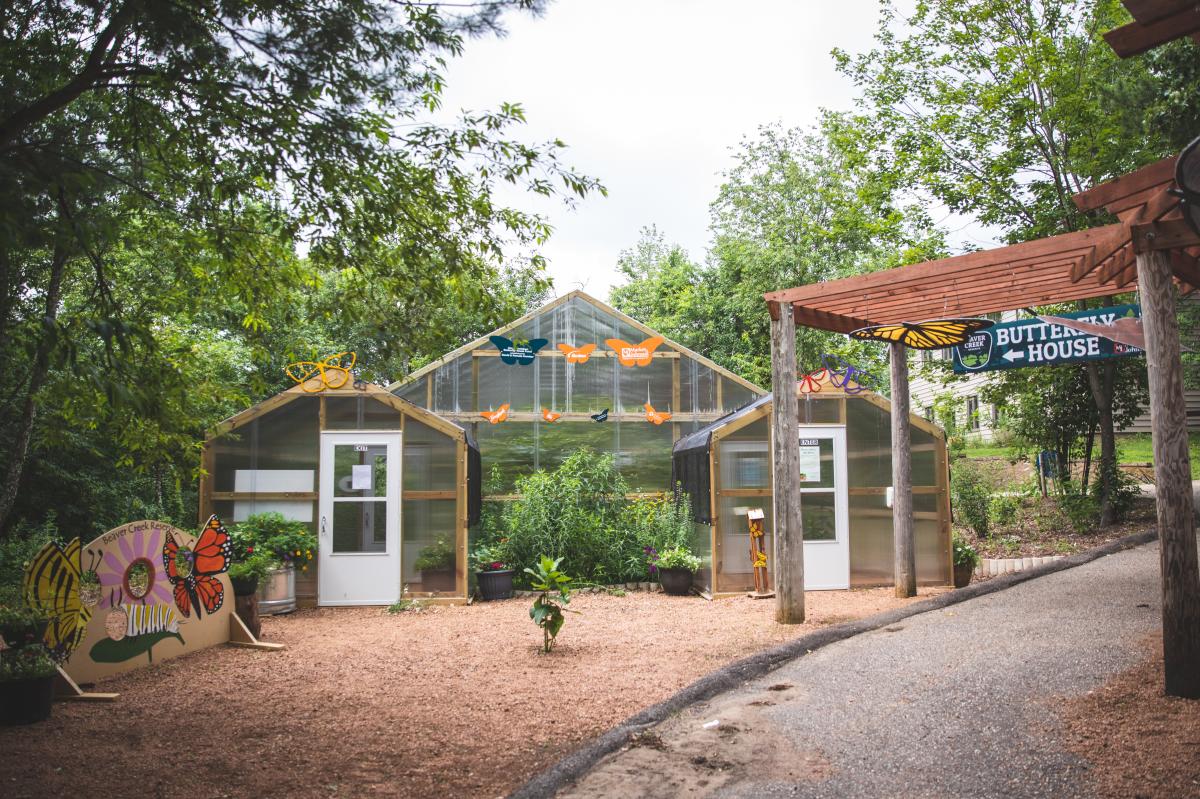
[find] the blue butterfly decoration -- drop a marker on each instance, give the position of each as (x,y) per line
(600,417)
(520,351)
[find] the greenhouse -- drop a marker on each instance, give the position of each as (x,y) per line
(845,457)
(384,485)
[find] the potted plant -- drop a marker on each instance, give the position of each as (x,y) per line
(676,567)
(493,571)
(26,684)
(20,625)
(287,545)
(436,565)
(966,558)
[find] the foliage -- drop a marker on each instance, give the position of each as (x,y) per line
(548,607)
(1002,511)
(1123,491)
(964,552)
(20,623)
(252,568)
(490,557)
(403,605)
(1081,510)
(678,558)
(970,494)
(437,556)
(28,662)
(19,548)
(284,542)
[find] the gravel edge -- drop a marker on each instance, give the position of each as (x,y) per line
(548,782)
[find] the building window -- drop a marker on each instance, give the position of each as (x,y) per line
(997,415)
(929,412)
(972,413)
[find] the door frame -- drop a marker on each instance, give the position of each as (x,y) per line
(832,558)
(383,579)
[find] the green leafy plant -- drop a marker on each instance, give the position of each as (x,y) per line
(283,542)
(490,557)
(548,607)
(437,556)
(1081,510)
(1003,510)
(20,624)
(678,558)
(402,605)
(252,568)
(26,663)
(965,553)
(970,495)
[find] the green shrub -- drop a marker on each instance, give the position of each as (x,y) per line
(286,543)
(1082,511)
(964,552)
(970,495)
(1002,511)
(19,547)
(437,556)
(547,610)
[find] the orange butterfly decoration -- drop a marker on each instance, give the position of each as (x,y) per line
(497,416)
(811,382)
(634,354)
(655,416)
(576,354)
(193,571)
(549,415)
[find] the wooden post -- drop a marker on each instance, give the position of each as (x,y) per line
(785,440)
(1172,478)
(902,507)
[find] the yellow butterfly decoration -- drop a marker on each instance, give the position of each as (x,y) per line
(933,334)
(51,585)
(331,372)
(760,561)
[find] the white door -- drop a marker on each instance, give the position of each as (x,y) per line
(359,528)
(824,507)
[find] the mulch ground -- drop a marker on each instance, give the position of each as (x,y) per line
(453,701)
(1142,744)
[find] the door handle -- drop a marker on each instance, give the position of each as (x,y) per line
(323,533)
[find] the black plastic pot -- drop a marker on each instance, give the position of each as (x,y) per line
(962,574)
(244,586)
(676,582)
(495,585)
(26,701)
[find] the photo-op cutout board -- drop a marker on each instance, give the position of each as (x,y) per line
(154,592)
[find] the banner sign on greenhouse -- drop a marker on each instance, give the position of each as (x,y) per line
(1033,342)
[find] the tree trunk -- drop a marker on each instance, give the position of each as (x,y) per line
(904,554)
(1087,459)
(785,440)
(1172,477)
(1101,378)
(37,377)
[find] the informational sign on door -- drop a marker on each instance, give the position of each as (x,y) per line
(360,477)
(810,460)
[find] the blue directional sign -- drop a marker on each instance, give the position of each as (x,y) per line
(1032,342)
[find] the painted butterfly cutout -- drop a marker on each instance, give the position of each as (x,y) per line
(811,382)
(51,585)
(600,417)
(933,334)
(577,354)
(497,416)
(518,351)
(635,354)
(330,372)
(194,571)
(655,416)
(846,376)
(549,415)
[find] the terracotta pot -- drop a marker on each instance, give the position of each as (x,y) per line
(963,572)
(26,701)
(495,585)
(676,582)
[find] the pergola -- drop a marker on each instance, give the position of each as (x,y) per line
(1150,248)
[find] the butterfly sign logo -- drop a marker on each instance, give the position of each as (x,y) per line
(518,352)
(600,417)
(653,416)
(330,372)
(550,416)
(193,570)
(497,416)
(634,354)
(976,352)
(577,355)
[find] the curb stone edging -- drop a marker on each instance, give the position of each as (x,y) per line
(990,567)
(575,764)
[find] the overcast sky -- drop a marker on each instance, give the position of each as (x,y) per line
(652,97)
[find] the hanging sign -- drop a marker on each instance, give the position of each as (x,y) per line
(518,351)
(635,354)
(810,460)
(577,354)
(1034,342)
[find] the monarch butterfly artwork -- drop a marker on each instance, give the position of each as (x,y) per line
(51,585)
(497,416)
(550,416)
(330,372)
(577,354)
(654,416)
(194,571)
(518,351)
(635,354)
(600,417)
(933,334)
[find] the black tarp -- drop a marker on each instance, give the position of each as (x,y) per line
(474,482)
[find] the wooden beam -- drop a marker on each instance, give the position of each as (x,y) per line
(1185,267)
(824,320)
(1167,234)
(1136,38)
(904,553)
(1172,478)
(1147,11)
(1106,194)
(1120,260)
(789,528)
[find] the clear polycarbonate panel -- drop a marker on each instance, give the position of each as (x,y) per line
(814,409)
(556,441)
(282,440)
(924,458)
(359,527)
(732,558)
(430,557)
(932,545)
(734,395)
(705,390)
(509,447)
(818,516)
(360,470)
(593,386)
(430,458)
(414,392)
(501,383)
(701,544)
(744,462)
(868,444)
(643,455)
(871,551)
(359,413)
(646,384)
(555,379)
(452,386)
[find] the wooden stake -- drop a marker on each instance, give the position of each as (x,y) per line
(902,509)
(789,531)
(1172,478)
